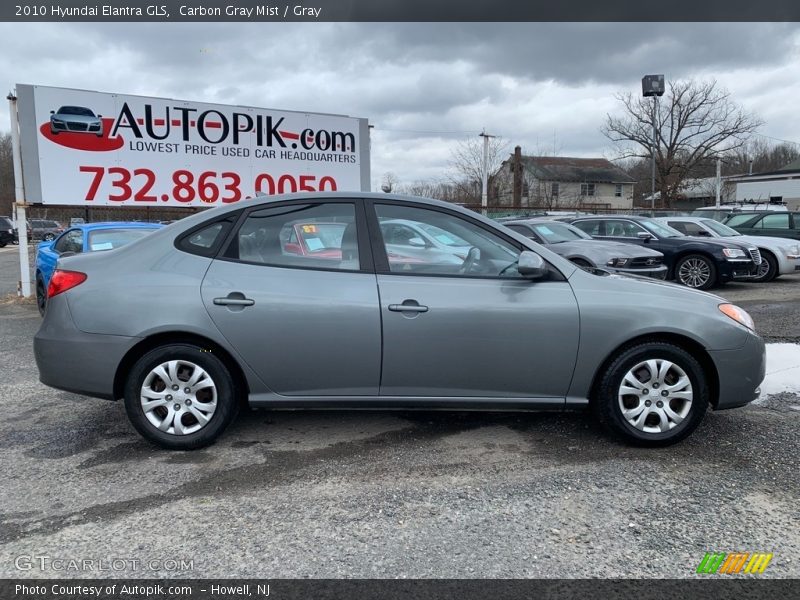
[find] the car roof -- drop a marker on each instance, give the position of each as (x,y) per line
(629,217)
(117,225)
(684,218)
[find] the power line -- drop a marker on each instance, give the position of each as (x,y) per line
(423,131)
(777,139)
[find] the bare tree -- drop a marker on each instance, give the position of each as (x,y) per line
(466,164)
(696,121)
(389,182)
(6,175)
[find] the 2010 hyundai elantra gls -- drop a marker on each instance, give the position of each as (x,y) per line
(213,311)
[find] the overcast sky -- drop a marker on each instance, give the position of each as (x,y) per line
(423,86)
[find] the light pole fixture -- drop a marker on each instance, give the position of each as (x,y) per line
(653,85)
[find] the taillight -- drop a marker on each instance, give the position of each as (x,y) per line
(61,281)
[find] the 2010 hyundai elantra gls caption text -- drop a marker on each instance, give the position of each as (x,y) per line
(222,308)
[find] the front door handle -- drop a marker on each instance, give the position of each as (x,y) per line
(410,306)
(234,299)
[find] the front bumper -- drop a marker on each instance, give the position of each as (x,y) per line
(740,372)
(737,269)
(659,272)
(71,360)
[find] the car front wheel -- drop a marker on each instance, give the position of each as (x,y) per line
(696,271)
(768,268)
(180,397)
(652,394)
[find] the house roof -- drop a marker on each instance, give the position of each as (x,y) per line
(793,168)
(583,170)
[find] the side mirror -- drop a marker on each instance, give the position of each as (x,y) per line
(99,116)
(643,235)
(52,112)
(531,265)
(417,242)
(703,233)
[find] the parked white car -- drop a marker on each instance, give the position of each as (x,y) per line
(780,256)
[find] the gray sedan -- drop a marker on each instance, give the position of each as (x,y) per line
(580,248)
(184,326)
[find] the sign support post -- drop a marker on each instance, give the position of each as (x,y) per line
(19,196)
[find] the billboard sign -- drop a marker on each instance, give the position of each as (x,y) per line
(91,148)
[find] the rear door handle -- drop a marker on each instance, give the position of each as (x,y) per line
(411,306)
(234,299)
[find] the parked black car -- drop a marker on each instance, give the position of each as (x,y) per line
(692,261)
(771,223)
(8,235)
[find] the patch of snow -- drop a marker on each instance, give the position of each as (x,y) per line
(783,370)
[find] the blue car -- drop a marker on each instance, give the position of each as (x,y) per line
(90,237)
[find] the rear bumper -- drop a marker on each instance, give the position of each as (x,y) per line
(740,372)
(74,361)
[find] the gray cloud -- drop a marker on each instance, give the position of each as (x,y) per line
(530,82)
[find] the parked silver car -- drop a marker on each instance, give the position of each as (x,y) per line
(586,252)
(184,327)
(779,256)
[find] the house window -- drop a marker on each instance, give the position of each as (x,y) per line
(554,189)
(587,189)
(618,190)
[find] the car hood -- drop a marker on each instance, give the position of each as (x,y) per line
(617,249)
(722,242)
(759,240)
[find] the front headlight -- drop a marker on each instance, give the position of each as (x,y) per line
(733,253)
(794,251)
(617,262)
(738,314)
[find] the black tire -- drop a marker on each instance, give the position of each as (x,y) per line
(608,405)
(2,244)
(41,295)
(227,403)
(768,269)
(705,277)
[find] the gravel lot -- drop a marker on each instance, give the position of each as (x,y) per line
(382,494)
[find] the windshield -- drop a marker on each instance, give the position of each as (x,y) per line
(75,110)
(554,233)
(108,239)
(660,229)
(719,228)
(442,236)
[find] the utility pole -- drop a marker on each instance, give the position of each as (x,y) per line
(516,170)
(24,288)
(485,174)
(719,181)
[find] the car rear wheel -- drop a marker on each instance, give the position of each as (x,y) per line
(696,271)
(653,394)
(768,269)
(48,237)
(180,397)
(41,295)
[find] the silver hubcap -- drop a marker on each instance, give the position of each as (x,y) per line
(655,396)
(763,268)
(694,272)
(178,397)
